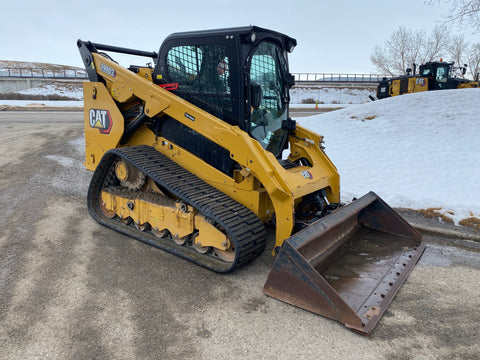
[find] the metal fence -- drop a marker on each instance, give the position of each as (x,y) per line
(81,74)
(321,77)
(43,73)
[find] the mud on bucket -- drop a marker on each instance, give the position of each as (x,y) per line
(349,265)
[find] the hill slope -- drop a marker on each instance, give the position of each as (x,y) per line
(35,65)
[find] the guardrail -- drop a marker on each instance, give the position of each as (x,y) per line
(81,74)
(321,77)
(42,73)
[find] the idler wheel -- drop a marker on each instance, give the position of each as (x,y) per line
(129,175)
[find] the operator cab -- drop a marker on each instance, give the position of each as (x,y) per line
(438,73)
(240,75)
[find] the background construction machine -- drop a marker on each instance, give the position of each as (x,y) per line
(435,75)
(188,157)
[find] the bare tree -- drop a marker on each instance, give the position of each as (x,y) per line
(462,12)
(419,44)
(405,47)
(437,44)
(381,61)
(458,50)
(399,47)
(473,60)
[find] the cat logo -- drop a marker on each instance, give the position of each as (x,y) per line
(101,120)
(420,81)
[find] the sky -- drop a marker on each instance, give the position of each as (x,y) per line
(333,36)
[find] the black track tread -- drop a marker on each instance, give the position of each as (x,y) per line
(244,227)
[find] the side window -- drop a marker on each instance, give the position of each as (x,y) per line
(183,63)
(203,75)
(427,71)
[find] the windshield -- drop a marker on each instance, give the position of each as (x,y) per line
(268,69)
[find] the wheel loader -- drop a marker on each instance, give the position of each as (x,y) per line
(195,153)
(434,75)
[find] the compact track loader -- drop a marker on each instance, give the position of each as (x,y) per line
(187,156)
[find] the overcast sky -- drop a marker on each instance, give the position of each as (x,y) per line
(333,36)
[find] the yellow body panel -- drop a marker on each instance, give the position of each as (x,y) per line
(263,185)
(146,73)
(103,121)
(415,84)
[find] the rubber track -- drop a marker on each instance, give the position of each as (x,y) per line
(244,228)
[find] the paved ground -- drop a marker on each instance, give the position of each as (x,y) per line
(71,289)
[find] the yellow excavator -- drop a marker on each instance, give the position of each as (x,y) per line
(195,152)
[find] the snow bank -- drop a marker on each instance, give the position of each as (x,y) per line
(416,151)
(330,95)
(72,90)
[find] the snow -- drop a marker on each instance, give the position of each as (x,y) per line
(330,95)
(66,89)
(416,151)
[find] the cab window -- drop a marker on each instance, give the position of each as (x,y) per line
(203,75)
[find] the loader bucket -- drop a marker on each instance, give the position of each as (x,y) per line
(349,265)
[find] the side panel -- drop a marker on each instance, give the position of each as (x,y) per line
(395,88)
(103,121)
(417,84)
(403,86)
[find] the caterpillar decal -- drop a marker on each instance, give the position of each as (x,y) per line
(101,120)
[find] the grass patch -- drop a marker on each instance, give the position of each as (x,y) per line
(432,213)
(17,96)
(472,222)
(308,101)
(370,117)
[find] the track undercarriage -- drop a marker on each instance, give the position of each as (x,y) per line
(141,193)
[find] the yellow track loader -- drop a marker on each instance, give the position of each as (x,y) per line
(187,155)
